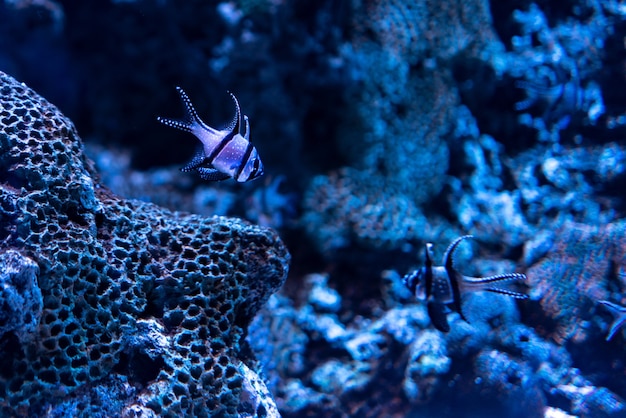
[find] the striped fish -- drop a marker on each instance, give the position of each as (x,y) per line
(443,285)
(225,153)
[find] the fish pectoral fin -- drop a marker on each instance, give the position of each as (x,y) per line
(196,161)
(211,174)
(438,316)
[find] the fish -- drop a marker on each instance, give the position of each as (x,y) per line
(619,312)
(442,286)
(225,153)
(556,92)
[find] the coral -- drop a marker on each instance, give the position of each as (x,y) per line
(402,117)
(558,65)
(20,294)
(486,312)
(128,288)
(512,381)
(336,376)
(428,361)
(270,206)
(263,203)
(321,296)
(392,363)
(399,138)
(570,182)
(162,186)
(550,187)
(256,399)
(575,274)
(494,213)
(319,365)
(278,342)
(420,30)
(342,209)
(402,114)
(105,400)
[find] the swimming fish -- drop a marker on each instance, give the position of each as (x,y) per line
(225,153)
(556,91)
(619,312)
(443,285)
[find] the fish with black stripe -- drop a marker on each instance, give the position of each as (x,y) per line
(441,286)
(225,153)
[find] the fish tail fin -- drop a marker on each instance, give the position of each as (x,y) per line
(496,278)
(489,284)
(507,292)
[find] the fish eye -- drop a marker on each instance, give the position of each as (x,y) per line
(411,280)
(255,168)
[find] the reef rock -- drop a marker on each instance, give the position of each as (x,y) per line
(126,292)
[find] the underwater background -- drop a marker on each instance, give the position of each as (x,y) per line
(383,125)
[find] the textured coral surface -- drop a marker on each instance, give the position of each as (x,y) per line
(575,274)
(383,125)
(160,299)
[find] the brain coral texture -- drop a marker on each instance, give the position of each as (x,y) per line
(129,289)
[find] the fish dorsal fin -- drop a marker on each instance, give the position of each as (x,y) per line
(428,269)
(235,125)
(453,275)
(448,257)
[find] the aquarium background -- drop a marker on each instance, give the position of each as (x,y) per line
(383,125)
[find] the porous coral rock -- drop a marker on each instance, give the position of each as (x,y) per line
(342,209)
(20,297)
(428,361)
(114,271)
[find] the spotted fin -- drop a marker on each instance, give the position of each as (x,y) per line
(487,284)
(211,174)
(191,119)
(197,160)
(235,125)
(507,292)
